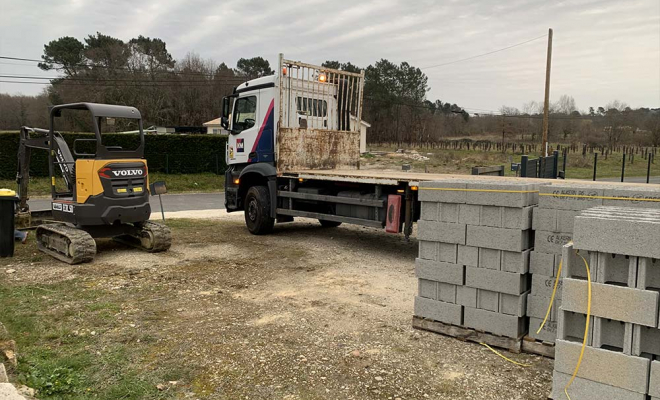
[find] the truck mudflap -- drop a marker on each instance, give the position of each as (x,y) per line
(393,222)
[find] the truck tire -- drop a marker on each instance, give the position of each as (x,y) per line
(329,224)
(257,211)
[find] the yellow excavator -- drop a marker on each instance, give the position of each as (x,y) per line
(101,193)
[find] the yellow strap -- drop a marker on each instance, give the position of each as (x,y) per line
(584,196)
(552,298)
(586,328)
(479,190)
(508,359)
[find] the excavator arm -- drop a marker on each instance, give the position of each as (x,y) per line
(35,138)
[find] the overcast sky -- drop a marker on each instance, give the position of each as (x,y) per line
(602,50)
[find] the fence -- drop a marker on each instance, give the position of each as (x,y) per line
(543,167)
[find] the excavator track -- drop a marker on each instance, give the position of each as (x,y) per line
(151,236)
(66,243)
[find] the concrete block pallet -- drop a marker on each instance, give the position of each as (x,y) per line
(553,223)
(475,241)
(620,358)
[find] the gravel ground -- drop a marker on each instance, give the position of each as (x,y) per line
(304,313)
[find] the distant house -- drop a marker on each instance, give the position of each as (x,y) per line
(363,133)
(213,127)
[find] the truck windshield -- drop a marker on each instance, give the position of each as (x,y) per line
(245,113)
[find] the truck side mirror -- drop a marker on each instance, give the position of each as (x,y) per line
(224,122)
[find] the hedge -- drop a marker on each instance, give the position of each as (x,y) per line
(175,154)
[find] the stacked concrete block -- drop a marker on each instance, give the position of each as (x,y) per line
(475,240)
(620,360)
(559,204)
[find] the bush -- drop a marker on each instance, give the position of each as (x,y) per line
(175,154)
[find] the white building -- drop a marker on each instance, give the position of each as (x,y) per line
(213,127)
(363,133)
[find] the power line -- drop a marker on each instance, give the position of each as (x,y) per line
(485,54)
(92,66)
(128,84)
(64,79)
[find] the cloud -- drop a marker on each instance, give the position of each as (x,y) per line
(602,50)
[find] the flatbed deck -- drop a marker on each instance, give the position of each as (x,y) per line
(394,177)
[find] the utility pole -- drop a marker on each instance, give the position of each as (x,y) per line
(546,104)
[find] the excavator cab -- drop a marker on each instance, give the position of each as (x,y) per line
(98,190)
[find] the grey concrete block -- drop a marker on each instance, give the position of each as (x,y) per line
(634,196)
(499,324)
(448,252)
(448,212)
(545,219)
(542,286)
(548,333)
(570,326)
(648,274)
(627,237)
(616,269)
(566,196)
(429,211)
(613,302)
(585,389)
(517,218)
(469,214)
(514,261)
(551,242)
(573,265)
(503,282)
(444,232)
(646,341)
(466,296)
(490,259)
(499,238)
(491,216)
(427,289)
(654,379)
(538,306)
(488,300)
(604,366)
(504,194)
(566,220)
(428,250)
(543,263)
(439,271)
(468,255)
(513,304)
(439,311)
(612,335)
(432,191)
(447,292)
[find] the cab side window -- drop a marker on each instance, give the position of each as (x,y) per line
(245,113)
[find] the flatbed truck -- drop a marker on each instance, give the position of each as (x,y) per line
(293,151)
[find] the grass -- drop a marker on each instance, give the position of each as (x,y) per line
(462,161)
(205,182)
(74,339)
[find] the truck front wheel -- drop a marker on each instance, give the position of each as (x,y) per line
(257,211)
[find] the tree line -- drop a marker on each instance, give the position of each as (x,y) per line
(187,92)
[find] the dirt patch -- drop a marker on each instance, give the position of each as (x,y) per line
(304,313)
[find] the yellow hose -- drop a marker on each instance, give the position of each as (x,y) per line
(504,357)
(552,298)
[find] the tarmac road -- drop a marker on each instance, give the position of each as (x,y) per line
(171,202)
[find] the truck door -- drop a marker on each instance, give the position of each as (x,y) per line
(245,128)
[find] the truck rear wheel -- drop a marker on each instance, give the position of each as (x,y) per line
(257,211)
(329,224)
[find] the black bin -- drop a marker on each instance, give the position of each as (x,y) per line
(8,201)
